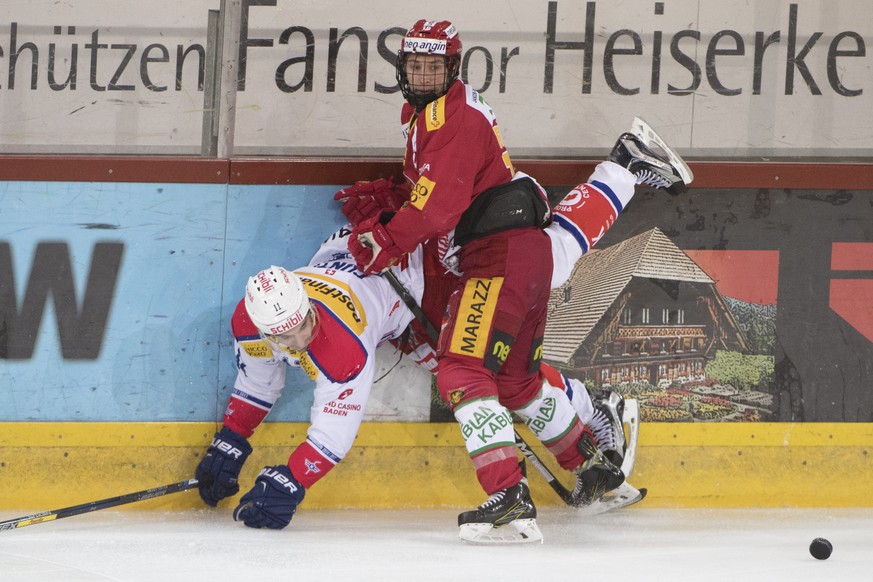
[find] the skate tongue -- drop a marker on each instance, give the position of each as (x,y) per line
(519,531)
(496,498)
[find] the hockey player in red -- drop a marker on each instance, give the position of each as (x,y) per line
(486,222)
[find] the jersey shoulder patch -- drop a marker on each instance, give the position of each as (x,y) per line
(247,334)
(336,350)
(443,119)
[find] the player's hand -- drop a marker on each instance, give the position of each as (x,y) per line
(373,248)
(273,500)
(218,471)
(364,200)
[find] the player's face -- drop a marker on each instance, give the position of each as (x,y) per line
(299,338)
(426,73)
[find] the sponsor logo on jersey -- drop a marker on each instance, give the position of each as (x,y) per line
(501,344)
(455,396)
(256,349)
(544,414)
(341,408)
(345,394)
(338,297)
(307,365)
(484,424)
(420,193)
(575,196)
(475,313)
(435,114)
(536,355)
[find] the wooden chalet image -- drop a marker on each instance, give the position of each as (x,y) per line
(640,311)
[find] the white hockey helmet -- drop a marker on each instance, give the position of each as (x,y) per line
(276,301)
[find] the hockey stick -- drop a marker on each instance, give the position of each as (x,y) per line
(413,306)
(565,494)
(97,505)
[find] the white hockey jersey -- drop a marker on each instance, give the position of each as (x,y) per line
(356,314)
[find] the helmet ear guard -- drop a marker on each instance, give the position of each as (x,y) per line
(427,37)
(276,301)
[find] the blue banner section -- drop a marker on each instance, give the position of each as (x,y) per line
(115,299)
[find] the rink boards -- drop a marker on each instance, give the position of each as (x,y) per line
(93,411)
(50,465)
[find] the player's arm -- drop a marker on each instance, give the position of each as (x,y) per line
(343,372)
(440,194)
(259,383)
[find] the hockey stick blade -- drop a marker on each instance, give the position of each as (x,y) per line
(98,505)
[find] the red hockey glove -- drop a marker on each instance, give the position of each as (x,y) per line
(372,247)
(365,200)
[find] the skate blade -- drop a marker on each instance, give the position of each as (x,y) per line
(520,531)
(650,136)
(622,496)
(631,423)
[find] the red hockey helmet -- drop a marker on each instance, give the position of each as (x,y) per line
(428,39)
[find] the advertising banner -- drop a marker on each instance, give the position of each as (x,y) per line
(718,305)
(729,79)
(727,305)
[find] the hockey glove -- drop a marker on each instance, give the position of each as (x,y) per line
(273,500)
(372,247)
(365,200)
(218,472)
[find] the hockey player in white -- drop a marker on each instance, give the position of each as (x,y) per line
(328,319)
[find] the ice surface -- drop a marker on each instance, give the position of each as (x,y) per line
(639,544)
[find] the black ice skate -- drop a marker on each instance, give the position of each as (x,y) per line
(508,516)
(606,424)
(634,151)
(596,476)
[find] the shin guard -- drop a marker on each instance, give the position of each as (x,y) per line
(488,434)
(552,419)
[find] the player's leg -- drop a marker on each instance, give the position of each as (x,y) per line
(503,275)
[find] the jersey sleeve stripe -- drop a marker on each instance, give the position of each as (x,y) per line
(574,230)
(249,399)
(607,191)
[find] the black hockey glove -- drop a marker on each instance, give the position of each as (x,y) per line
(218,472)
(273,500)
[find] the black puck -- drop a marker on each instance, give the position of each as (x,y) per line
(820,549)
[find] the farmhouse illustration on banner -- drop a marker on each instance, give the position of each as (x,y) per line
(642,317)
